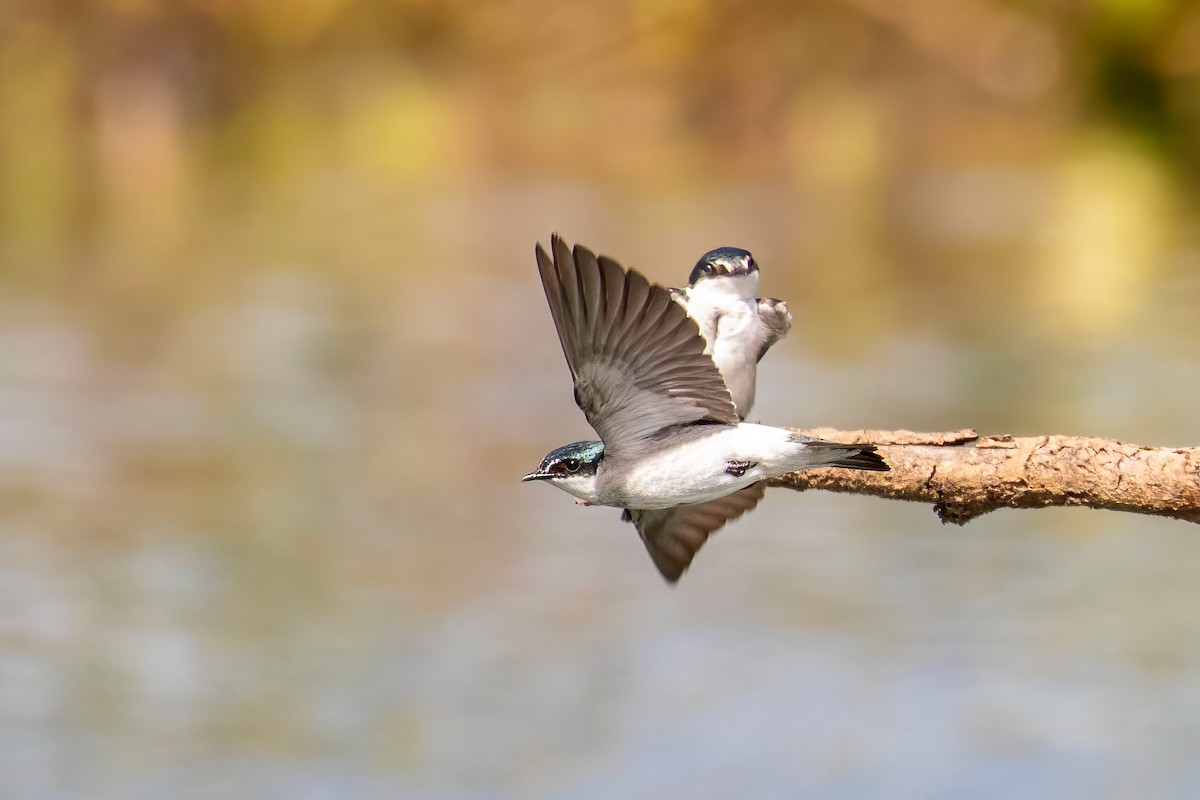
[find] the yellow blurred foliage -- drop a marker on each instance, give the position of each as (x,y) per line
(1106,240)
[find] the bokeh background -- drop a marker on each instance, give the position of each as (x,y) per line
(273,357)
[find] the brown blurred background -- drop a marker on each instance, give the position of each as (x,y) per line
(273,356)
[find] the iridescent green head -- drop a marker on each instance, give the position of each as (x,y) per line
(572,468)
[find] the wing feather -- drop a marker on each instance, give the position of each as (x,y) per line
(673,536)
(776,321)
(636,357)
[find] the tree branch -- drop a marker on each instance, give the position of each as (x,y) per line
(965,475)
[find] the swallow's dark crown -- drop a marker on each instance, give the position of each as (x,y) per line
(589,455)
(710,263)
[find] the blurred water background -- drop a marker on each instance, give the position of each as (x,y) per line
(273,357)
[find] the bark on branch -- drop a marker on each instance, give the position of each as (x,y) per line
(965,475)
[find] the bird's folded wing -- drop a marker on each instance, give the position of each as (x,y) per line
(636,357)
(776,322)
(674,535)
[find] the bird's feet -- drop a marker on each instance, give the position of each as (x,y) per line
(738,468)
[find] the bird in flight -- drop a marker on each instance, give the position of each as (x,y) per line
(673,452)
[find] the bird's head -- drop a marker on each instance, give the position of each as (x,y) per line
(572,468)
(729,269)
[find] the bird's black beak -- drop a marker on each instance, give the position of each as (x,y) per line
(535,476)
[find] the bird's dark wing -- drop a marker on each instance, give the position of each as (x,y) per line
(673,535)
(776,320)
(636,357)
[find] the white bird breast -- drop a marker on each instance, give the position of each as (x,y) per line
(695,472)
(735,340)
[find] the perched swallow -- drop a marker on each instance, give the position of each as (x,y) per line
(674,453)
(738,326)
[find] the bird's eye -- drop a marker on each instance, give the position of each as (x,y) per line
(708,269)
(571,464)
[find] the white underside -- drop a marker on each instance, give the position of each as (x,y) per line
(697,472)
(735,339)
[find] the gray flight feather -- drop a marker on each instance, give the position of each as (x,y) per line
(673,535)
(636,357)
(776,320)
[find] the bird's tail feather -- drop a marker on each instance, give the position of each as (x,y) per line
(865,459)
(848,456)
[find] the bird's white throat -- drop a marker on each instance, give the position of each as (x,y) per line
(581,486)
(720,289)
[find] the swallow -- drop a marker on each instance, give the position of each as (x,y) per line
(673,451)
(738,326)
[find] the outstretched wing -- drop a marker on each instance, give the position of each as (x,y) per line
(636,357)
(776,320)
(674,535)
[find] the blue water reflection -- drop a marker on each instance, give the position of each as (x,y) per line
(286,554)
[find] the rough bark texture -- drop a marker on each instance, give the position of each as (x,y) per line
(964,475)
